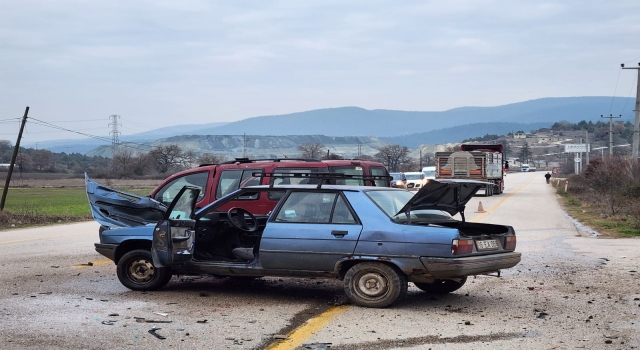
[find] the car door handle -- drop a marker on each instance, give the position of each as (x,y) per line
(179,239)
(339,234)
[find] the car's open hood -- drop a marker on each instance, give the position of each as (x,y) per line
(115,208)
(446,195)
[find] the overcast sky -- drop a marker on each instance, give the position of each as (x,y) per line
(161,63)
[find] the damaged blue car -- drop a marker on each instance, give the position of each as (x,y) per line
(374,239)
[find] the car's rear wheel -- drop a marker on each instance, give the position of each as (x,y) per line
(137,272)
(372,284)
(441,286)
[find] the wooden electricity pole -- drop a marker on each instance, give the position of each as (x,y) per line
(13,160)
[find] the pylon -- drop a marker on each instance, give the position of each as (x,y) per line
(480,209)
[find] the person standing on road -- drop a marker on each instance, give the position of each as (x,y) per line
(547,176)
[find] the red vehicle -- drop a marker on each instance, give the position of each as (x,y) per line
(218,180)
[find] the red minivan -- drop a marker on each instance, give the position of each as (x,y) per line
(218,180)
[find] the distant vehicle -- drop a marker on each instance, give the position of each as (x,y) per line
(474,162)
(415,180)
(429,172)
(525,168)
(398,180)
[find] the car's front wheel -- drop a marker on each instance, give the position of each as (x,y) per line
(441,286)
(137,272)
(372,284)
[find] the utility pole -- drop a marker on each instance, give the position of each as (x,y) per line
(610,132)
(244,145)
(114,132)
(13,160)
(636,125)
(586,137)
(420,158)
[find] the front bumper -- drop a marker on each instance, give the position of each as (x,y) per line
(108,250)
(467,266)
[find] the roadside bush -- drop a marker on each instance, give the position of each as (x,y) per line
(612,181)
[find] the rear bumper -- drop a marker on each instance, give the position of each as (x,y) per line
(474,265)
(108,250)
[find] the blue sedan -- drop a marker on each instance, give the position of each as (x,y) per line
(374,239)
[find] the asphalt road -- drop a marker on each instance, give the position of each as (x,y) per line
(570,291)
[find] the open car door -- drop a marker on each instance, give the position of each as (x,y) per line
(173,237)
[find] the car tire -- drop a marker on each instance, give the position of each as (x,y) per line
(137,272)
(441,286)
(372,284)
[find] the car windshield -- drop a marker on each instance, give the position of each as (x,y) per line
(390,202)
(396,176)
(430,173)
(413,176)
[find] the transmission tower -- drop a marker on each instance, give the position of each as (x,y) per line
(114,131)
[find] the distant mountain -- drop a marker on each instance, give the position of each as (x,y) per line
(462,132)
(355,121)
(403,127)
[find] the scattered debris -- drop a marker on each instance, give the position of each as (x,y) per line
(161,314)
(317,346)
(468,323)
(280,337)
(109,322)
(55,266)
(201,321)
(113,315)
(152,331)
(531,288)
(142,320)
(542,315)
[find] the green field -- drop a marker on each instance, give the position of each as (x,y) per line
(53,201)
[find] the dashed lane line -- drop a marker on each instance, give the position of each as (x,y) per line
(479,217)
(304,332)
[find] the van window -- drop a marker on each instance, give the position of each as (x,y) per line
(169,191)
(290,181)
(231,180)
(380,171)
(348,170)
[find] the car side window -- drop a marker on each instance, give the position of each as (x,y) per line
(341,213)
(290,180)
(167,194)
(308,207)
(348,170)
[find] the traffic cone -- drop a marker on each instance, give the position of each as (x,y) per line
(480,209)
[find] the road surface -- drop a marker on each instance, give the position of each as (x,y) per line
(570,291)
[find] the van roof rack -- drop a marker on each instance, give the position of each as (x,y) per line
(323,176)
(247,160)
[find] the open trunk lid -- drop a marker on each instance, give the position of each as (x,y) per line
(450,195)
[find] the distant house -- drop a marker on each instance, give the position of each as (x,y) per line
(2,166)
(520,135)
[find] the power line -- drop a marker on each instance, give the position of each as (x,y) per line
(613,97)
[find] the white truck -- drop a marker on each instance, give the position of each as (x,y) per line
(474,162)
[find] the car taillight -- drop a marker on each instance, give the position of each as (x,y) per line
(461,246)
(510,243)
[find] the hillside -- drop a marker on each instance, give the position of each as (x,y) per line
(232,146)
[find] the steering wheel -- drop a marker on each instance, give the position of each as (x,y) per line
(237,219)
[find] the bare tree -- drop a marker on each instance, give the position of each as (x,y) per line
(311,150)
(24,162)
(41,158)
(122,160)
(210,158)
(166,157)
(393,155)
(142,163)
(189,159)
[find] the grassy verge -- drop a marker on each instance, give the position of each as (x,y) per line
(41,206)
(616,226)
